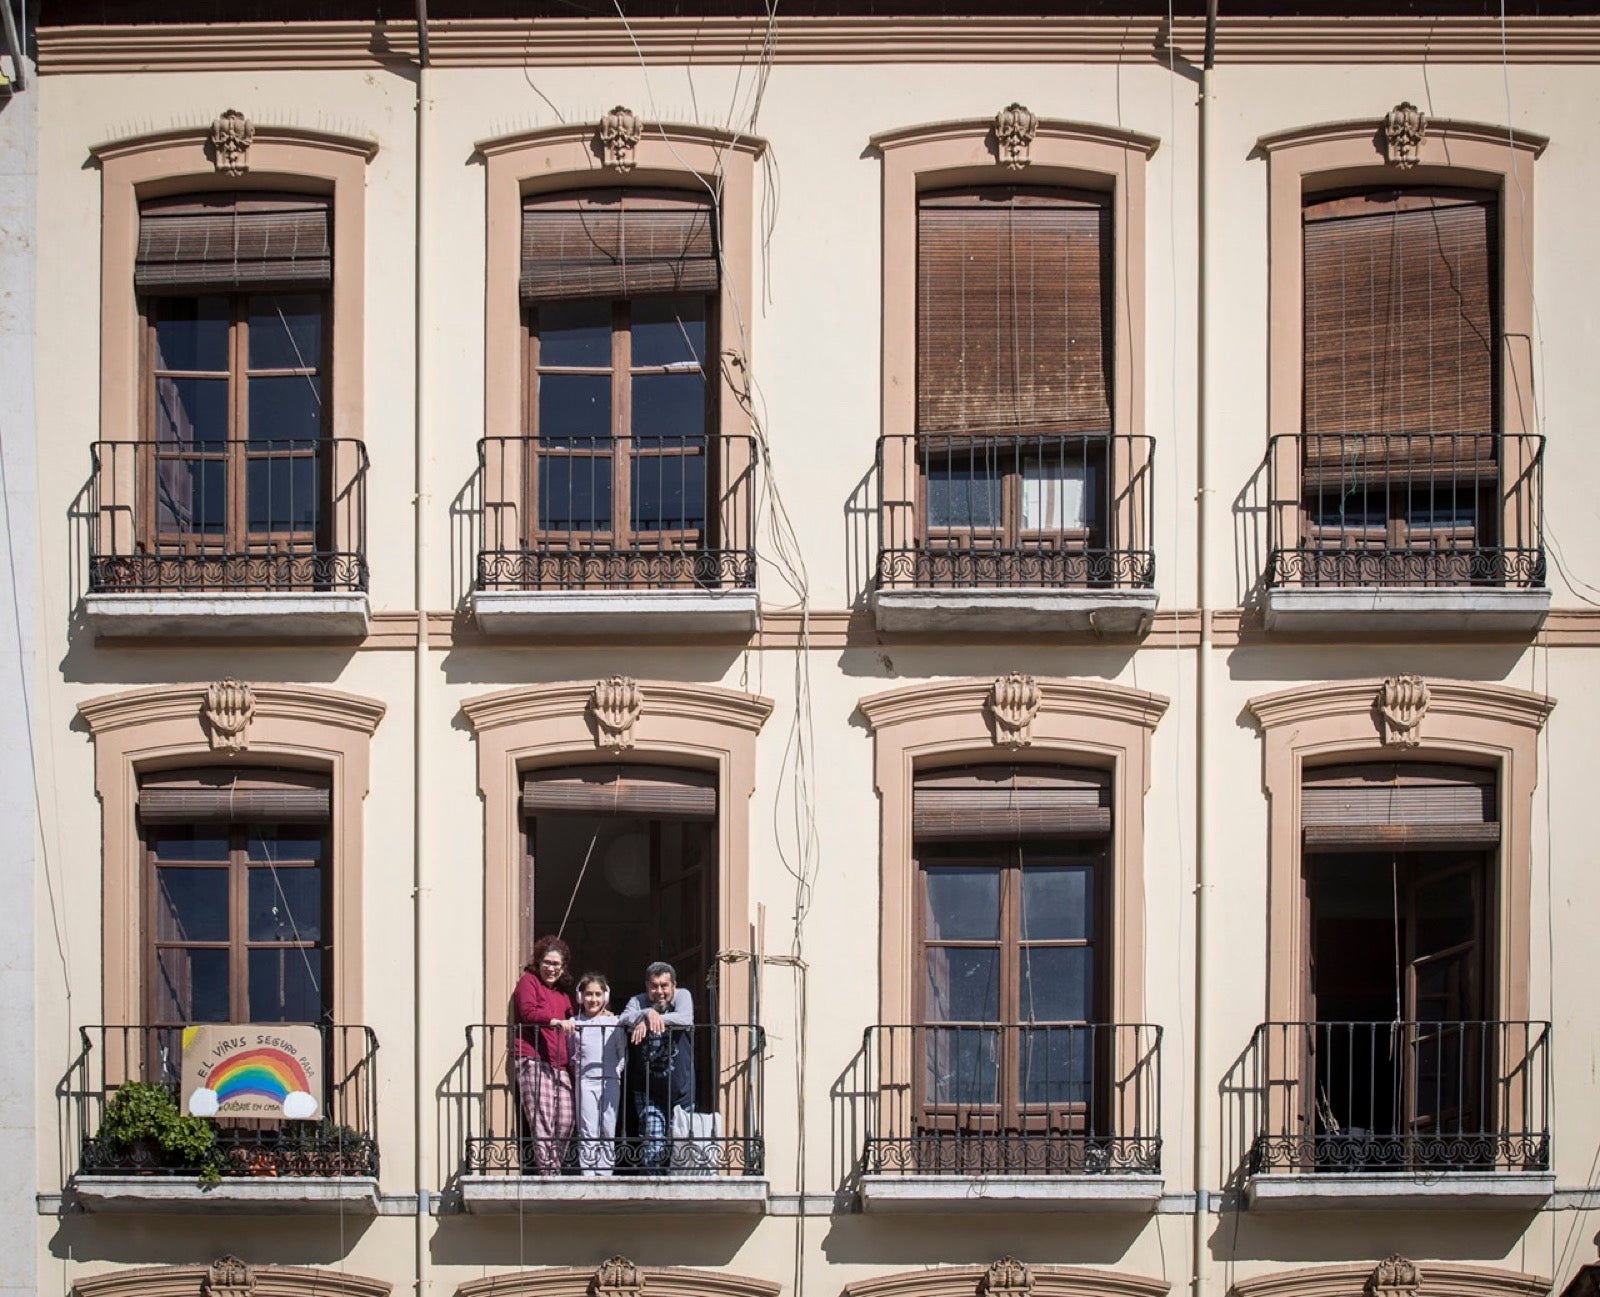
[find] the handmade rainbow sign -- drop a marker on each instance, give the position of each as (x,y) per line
(266,1070)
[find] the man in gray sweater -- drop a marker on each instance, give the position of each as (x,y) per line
(660,1025)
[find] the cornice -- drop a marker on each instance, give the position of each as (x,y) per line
(1057,697)
(665,1281)
(1439,129)
(671,133)
(300,137)
(270,1281)
(1048,1281)
(1439,1279)
(1049,129)
(799,40)
(302,703)
(1499,703)
(663,699)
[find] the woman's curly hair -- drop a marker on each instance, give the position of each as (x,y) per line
(543,947)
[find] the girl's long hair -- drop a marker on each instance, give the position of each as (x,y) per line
(543,947)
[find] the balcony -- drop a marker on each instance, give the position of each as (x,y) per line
(639,536)
(265,1166)
(225,539)
(707,1156)
(1015,532)
(1406,531)
(1020,1117)
(1380,1115)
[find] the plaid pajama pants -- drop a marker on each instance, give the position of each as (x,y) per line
(550,1111)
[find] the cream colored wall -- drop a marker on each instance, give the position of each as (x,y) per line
(815,346)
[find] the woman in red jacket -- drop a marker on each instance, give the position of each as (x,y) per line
(545,1010)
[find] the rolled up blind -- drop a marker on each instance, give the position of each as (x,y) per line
(1014,311)
(1405,806)
(234,796)
(1010,802)
(649,792)
(617,243)
(220,242)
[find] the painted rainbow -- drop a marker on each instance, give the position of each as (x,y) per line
(263,1073)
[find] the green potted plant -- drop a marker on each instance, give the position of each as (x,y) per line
(144,1125)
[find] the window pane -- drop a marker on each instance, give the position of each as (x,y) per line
(575,333)
(963,984)
(574,408)
(188,844)
(1057,902)
(1057,984)
(191,495)
(669,492)
(191,411)
(283,493)
(962,496)
(192,334)
(575,492)
(286,408)
(962,1065)
(191,985)
(1057,1064)
(286,985)
(670,408)
(669,331)
(962,903)
(285,904)
(1354,508)
(286,331)
(267,844)
(1057,497)
(191,904)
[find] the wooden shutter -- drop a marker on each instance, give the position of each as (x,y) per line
(1362,807)
(649,792)
(233,797)
(617,243)
(1014,311)
(1010,802)
(207,243)
(1401,330)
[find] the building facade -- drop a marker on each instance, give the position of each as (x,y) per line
(1042,560)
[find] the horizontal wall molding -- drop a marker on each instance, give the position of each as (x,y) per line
(799,40)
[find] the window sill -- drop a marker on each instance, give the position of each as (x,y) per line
(614,612)
(1391,1190)
(269,1196)
(233,615)
(608,1195)
(1371,608)
(933,1194)
(1103,612)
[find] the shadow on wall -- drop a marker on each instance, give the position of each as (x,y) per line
(861,539)
(851,1099)
(129,1240)
(466,527)
(1300,1238)
(538,1238)
(924,1240)
(1251,509)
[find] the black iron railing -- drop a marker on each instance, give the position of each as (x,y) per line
(1407,509)
(663,513)
(1028,510)
(263,514)
(341,1139)
(1400,1096)
(688,1102)
(1017,1099)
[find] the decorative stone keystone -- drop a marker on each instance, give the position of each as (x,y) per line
(619,136)
(1403,129)
(1014,129)
(227,711)
(1013,703)
(617,1277)
(1402,703)
(228,1276)
(615,705)
(1008,1277)
(1396,1277)
(231,136)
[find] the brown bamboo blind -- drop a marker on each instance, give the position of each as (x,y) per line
(209,243)
(1014,291)
(617,243)
(1401,326)
(234,796)
(649,792)
(1010,802)
(1375,806)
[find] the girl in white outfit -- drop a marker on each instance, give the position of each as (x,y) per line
(600,1050)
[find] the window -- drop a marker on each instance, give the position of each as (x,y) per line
(235,465)
(238,880)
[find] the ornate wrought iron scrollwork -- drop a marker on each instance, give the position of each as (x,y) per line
(681,569)
(1332,567)
(941,567)
(1353,1150)
(172,573)
(520,1155)
(963,1153)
